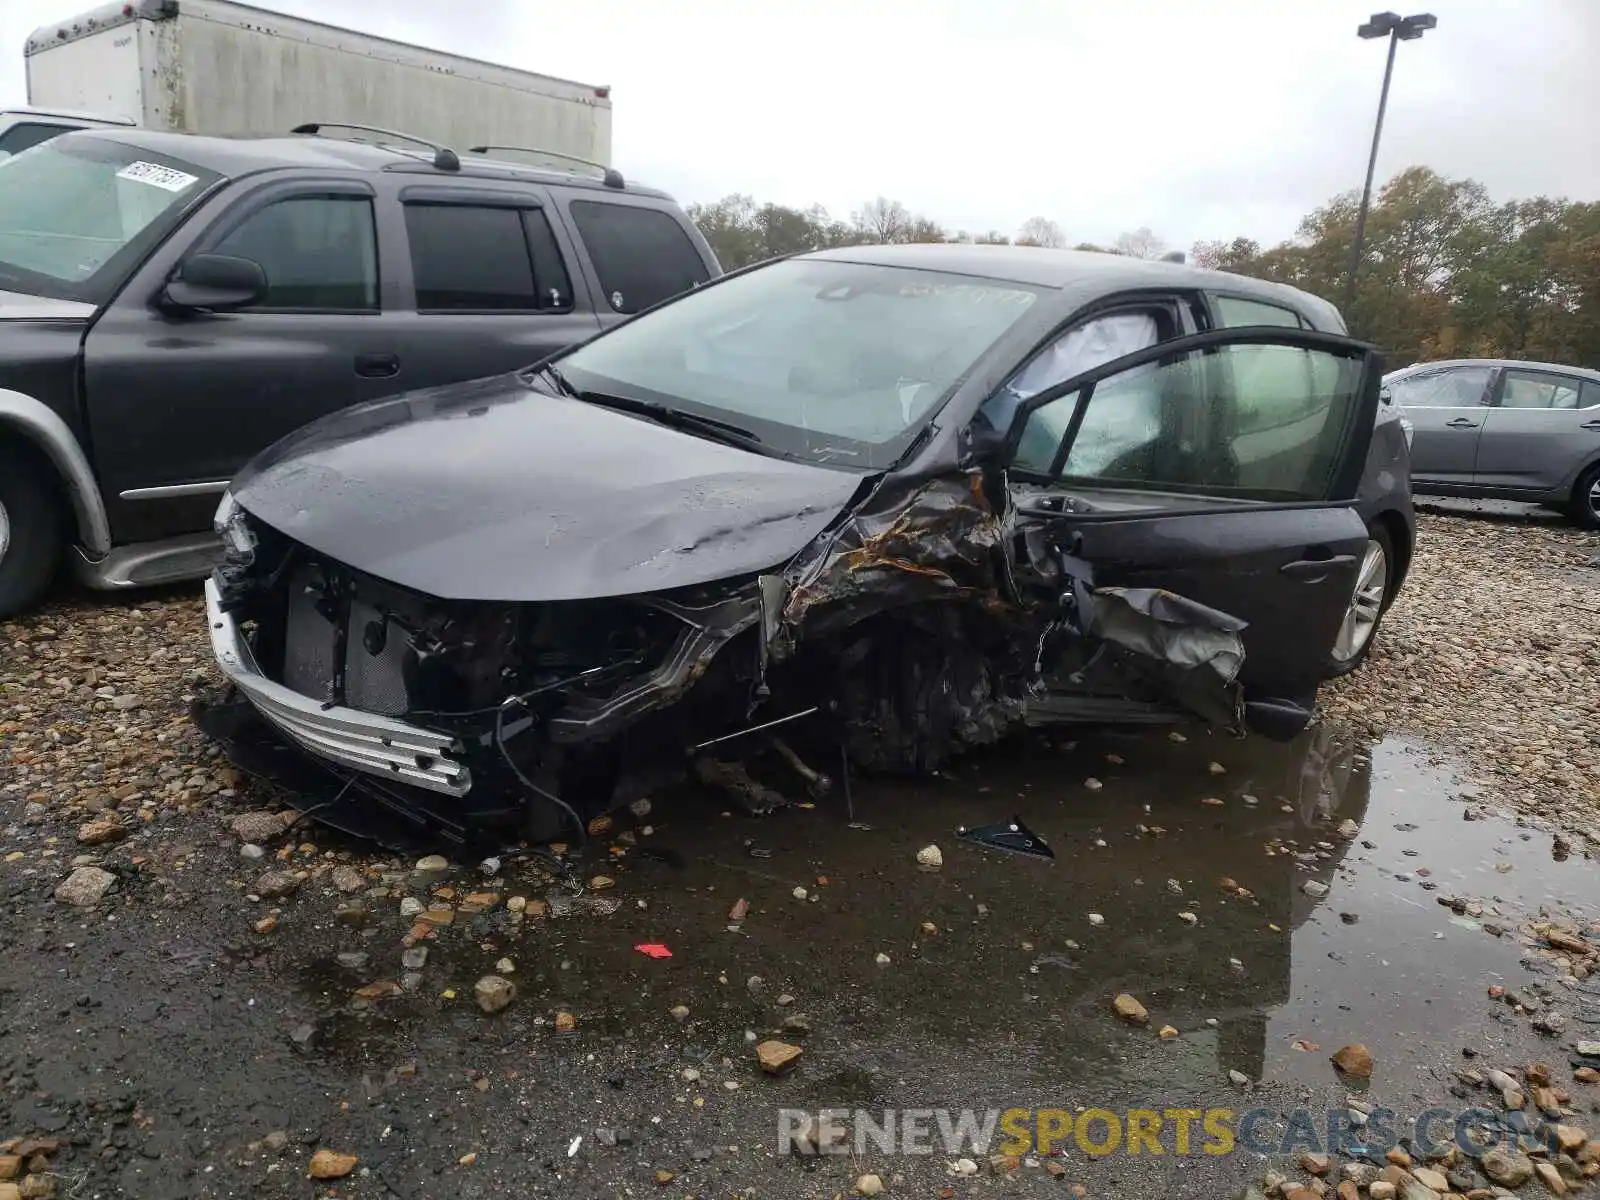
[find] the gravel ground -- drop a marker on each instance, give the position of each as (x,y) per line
(142,929)
(1492,653)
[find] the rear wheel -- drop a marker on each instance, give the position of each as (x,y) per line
(1367,605)
(30,531)
(1586,499)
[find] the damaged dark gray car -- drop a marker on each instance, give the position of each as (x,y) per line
(901,500)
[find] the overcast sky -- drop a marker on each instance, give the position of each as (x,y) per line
(1198,119)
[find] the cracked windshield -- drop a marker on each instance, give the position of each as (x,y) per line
(577,627)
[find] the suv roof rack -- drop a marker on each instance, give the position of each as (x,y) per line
(444,158)
(610,176)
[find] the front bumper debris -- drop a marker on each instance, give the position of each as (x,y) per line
(376,745)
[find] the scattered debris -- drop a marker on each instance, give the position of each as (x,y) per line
(330,1164)
(1010,835)
(775,1056)
(1130,1010)
(85,887)
(929,858)
(493,993)
(653,950)
(1354,1060)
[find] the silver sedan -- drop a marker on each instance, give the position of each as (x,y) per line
(1506,430)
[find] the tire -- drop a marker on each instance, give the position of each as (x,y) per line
(1585,508)
(1368,603)
(31,528)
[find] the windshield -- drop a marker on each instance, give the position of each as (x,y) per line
(76,209)
(835,362)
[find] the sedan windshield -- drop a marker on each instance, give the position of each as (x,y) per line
(835,362)
(76,209)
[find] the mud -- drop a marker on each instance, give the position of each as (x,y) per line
(164,1039)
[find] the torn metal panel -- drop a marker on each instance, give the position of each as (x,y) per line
(908,542)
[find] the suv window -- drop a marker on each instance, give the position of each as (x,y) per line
(319,252)
(28,135)
(485,259)
(1443,387)
(1186,425)
(1235,313)
(642,255)
(1530,389)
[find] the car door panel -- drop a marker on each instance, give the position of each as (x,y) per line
(1447,407)
(1283,564)
(178,402)
(1530,447)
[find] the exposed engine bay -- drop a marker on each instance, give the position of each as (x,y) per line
(926,618)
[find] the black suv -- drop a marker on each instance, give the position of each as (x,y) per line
(170,305)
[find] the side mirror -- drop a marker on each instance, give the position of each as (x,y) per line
(215,283)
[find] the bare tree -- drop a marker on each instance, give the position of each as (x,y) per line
(1041,231)
(1141,243)
(883,220)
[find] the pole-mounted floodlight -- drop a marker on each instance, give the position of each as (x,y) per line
(1397,29)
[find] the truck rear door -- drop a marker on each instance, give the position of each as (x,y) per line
(490,280)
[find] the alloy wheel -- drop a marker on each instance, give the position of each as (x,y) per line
(1366,603)
(5,531)
(1594,503)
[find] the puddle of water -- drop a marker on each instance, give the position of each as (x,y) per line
(1012,986)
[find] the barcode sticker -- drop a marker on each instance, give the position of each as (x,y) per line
(166,178)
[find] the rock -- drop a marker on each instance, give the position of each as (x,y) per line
(433,862)
(1167,1033)
(274,885)
(1096,919)
(565,1022)
(1411,1189)
(330,1164)
(799,893)
(1348,1190)
(352,960)
(1314,888)
(267,924)
(102,830)
(411,907)
(251,852)
(415,958)
(680,1012)
(740,910)
(276,1141)
(1508,1168)
(775,1056)
(10,1167)
(1586,1075)
(1512,1098)
(1500,1080)
(10,1191)
(1355,1060)
(1430,1179)
(1551,1178)
(1587,1049)
(796,1024)
(85,887)
(493,993)
(784,1000)
(126,703)
(601,882)
(1381,1189)
(1130,1010)
(1348,828)
(347,879)
(964,1166)
(37,1187)
(1316,1164)
(1238,1078)
(257,827)
(869,1185)
(505,967)
(929,858)
(1570,1138)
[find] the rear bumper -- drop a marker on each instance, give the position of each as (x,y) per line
(375,745)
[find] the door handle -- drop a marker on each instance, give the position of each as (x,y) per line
(1461,423)
(1315,570)
(1590,425)
(377,366)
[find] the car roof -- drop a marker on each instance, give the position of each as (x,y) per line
(1558,368)
(245,154)
(69,114)
(1083,275)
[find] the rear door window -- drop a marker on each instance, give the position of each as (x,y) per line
(1535,389)
(641,255)
(467,258)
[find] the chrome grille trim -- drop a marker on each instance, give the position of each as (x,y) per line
(374,744)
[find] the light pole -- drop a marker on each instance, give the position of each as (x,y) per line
(1397,29)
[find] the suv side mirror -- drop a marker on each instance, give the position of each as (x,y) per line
(215,283)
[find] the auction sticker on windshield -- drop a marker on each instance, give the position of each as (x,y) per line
(166,178)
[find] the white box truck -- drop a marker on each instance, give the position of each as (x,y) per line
(213,66)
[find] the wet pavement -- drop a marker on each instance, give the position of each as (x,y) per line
(166,1038)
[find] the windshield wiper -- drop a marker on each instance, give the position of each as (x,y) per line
(663,414)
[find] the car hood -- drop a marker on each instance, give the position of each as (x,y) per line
(492,490)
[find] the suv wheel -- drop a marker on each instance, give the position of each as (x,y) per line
(1368,603)
(1586,499)
(30,532)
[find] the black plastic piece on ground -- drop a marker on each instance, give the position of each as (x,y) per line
(1010,835)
